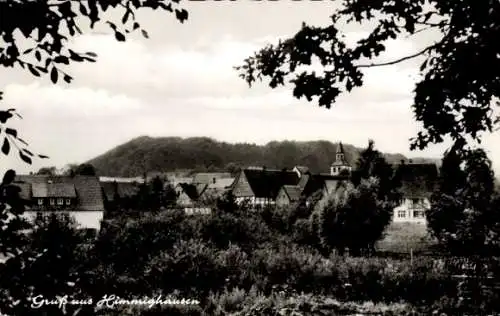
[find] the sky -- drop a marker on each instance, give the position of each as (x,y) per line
(181,82)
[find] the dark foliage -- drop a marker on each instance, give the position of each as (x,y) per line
(463,210)
(450,100)
(202,154)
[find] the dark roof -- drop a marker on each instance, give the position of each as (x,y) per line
(123,189)
(192,191)
(339,149)
(417,179)
(320,182)
(266,183)
(87,188)
(293,192)
(63,190)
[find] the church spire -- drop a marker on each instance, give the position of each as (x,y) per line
(339,153)
(340,165)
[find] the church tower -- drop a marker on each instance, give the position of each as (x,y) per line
(340,165)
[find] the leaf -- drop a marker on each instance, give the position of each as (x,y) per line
(61,60)
(6,146)
(119,36)
(136,26)
(29,50)
(43,156)
(144,33)
(181,15)
(22,141)
(126,16)
(83,9)
(67,78)
(33,71)
(91,54)
(11,131)
(4,116)
(25,158)
(53,75)
(28,152)
(38,56)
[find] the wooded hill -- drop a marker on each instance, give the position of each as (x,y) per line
(205,154)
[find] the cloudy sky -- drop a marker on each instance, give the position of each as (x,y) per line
(180,82)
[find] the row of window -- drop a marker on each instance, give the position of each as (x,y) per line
(59,201)
(406,214)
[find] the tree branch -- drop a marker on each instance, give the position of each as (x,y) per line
(393,62)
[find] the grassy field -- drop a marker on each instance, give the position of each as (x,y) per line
(401,238)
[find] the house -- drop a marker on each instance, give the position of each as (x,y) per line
(79,196)
(288,194)
(116,190)
(217,188)
(188,194)
(260,186)
(417,184)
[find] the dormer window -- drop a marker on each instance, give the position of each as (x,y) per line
(60,201)
(40,201)
(68,201)
(52,202)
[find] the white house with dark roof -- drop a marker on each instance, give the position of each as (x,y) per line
(418,181)
(79,196)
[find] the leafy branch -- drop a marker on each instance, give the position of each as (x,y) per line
(50,24)
(399,60)
(451,100)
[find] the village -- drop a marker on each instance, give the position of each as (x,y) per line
(88,198)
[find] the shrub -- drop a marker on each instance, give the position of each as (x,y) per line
(190,267)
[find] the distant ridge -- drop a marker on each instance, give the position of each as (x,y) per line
(149,154)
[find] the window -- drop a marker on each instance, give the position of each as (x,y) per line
(60,201)
(401,214)
(415,202)
(418,214)
(68,201)
(52,202)
(40,201)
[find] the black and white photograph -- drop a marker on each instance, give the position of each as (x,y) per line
(249,157)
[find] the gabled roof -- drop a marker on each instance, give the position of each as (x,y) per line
(340,151)
(321,182)
(191,190)
(417,179)
(266,183)
(293,192)
(123,189)
(87,188)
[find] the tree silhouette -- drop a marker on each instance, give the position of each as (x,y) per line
(451,99)
(48,26)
